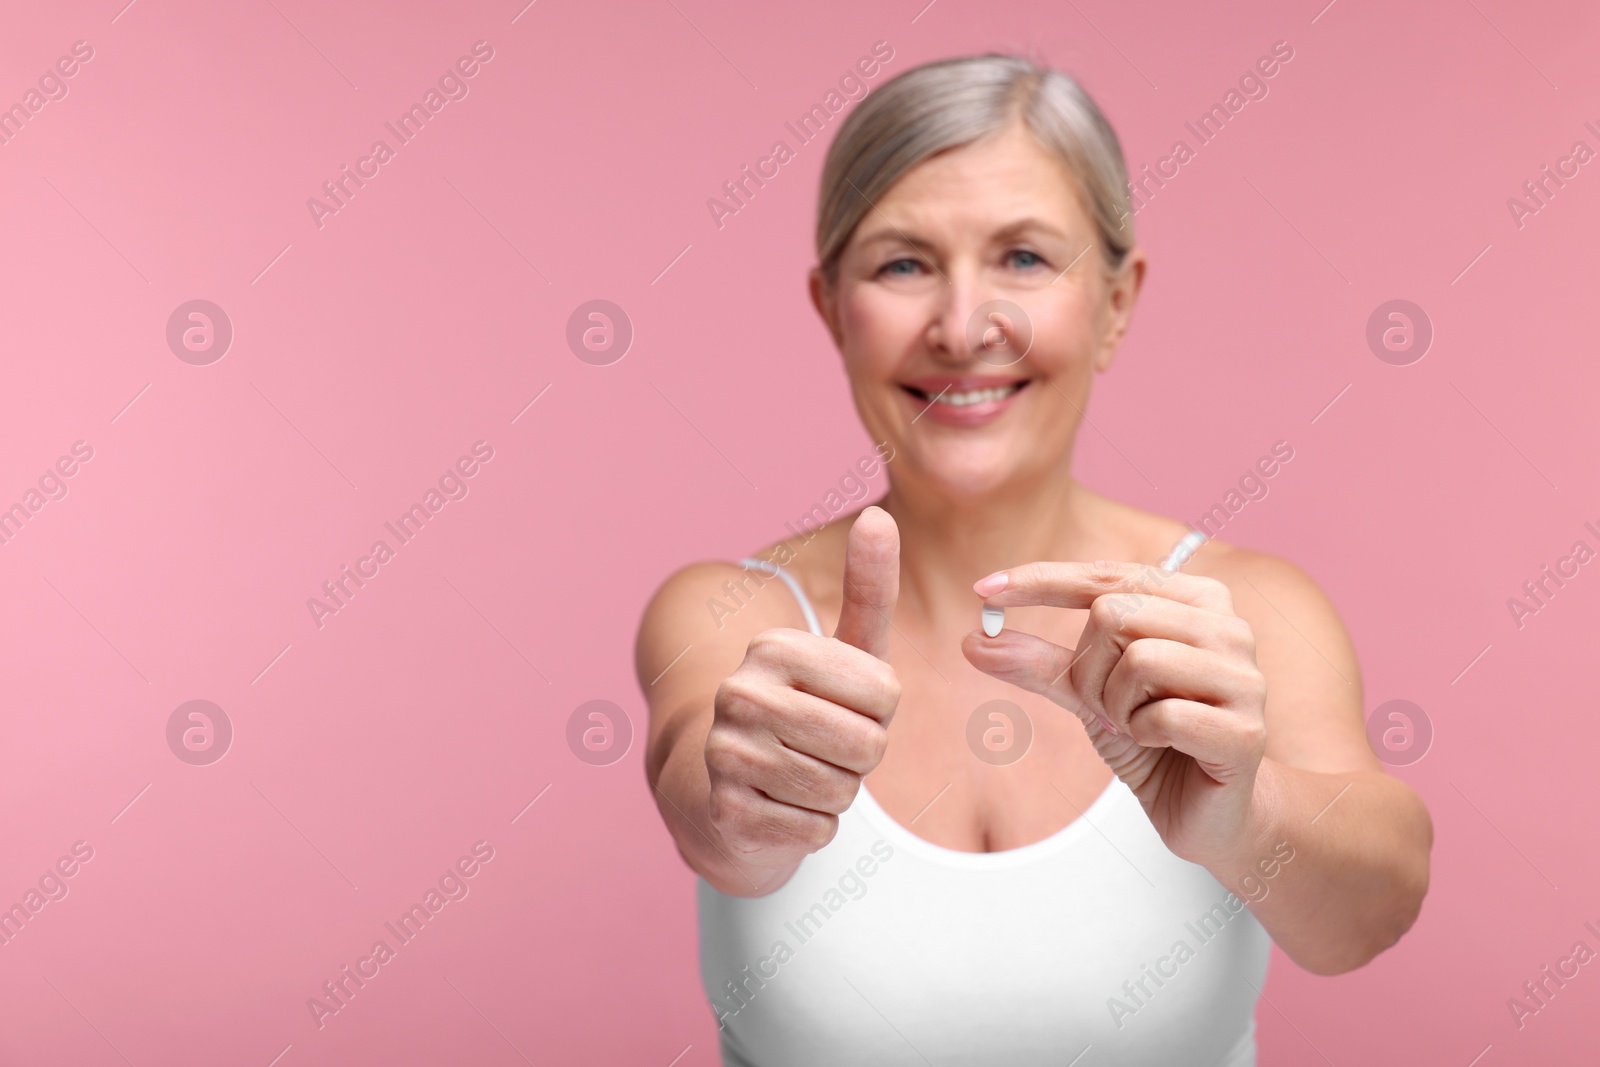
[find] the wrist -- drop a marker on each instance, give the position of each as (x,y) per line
(1261,829)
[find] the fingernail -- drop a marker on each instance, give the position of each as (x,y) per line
(1112,730)
(990,585)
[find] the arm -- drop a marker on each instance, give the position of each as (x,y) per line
(1360,838)
(1228,699)
(760,733)
(681,709)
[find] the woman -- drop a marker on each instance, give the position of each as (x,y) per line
(921,843)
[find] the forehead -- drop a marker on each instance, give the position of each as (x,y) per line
(986,184)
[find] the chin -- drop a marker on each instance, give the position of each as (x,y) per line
(964,470)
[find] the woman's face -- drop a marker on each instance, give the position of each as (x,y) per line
(939,289)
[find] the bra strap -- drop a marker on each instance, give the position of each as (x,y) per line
(794,587)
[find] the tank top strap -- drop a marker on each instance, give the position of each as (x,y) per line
(794,587)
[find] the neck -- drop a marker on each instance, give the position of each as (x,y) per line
(948,543)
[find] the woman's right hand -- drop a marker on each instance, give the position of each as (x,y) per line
(804,718)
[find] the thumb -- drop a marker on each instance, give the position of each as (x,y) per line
(871,582)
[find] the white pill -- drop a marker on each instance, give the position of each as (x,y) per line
(994,620)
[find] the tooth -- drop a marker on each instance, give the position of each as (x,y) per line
(977,396)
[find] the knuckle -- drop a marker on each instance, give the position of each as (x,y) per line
(790,649)
(1105,572)
(1218,592)
(725,758)
(1159,576)
(862,745)
(1110,611)
(817,832)
(831,789)
(755,827)
(1146,576)
(743,828)
(759,646)
(877,745)
(723,804)
(840,791)
(1143,655)
(1243,635)
(774,646)
(758,825)
(1254,733)
(889,687)
(795,777)
(738,693)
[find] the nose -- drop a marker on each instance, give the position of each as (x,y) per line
(969,322)
(954,303)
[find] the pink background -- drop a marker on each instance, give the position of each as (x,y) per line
(370,353)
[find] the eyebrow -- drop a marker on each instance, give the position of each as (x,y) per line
(1011,229)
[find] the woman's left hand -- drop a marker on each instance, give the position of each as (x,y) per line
(1165,681)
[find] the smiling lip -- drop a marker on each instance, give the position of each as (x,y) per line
(922,391)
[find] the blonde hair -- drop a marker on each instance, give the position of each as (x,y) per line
(953,102)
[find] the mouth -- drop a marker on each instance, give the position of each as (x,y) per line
(960,398)
(962,402)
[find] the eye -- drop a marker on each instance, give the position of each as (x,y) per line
(892,270)
(1028,259)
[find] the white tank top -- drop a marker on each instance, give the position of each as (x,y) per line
(1093,946)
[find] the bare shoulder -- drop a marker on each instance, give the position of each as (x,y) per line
(694,633)
(1256,580)
(709,599)
(704,614)
(816,561)
(1265,585)
(707,603)
(1132,533)
(1315,708)
(1315,716)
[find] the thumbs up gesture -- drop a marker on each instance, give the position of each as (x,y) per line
(804,718)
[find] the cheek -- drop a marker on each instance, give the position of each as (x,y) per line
(1063,337)
(1068,325)
(876,331)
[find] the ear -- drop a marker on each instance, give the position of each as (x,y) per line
(823,299)
(1123,294)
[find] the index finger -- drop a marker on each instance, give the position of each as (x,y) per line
(1077,585)
(836,672)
